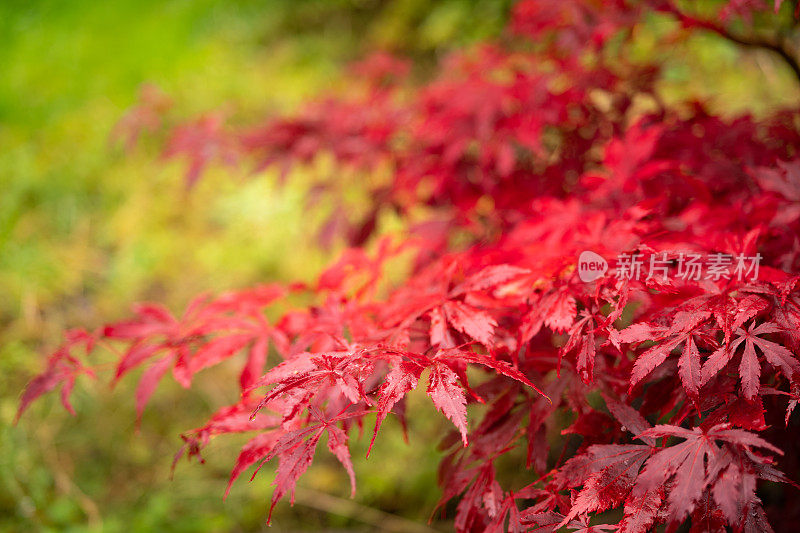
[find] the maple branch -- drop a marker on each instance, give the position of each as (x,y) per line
(328,503)
(777,47)
(63,480)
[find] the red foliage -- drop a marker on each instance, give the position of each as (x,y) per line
(524,156)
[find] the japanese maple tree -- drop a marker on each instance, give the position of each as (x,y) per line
(676,362)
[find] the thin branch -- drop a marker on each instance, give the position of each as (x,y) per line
(348,508)
(778,47)
(64,482)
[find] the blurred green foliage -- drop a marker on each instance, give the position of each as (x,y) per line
(86,229)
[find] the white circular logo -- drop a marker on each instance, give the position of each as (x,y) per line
(591,266)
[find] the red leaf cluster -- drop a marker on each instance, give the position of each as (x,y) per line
(522,157)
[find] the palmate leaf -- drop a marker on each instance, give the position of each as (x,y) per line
(295,451)
(399,381)
(470,321)
(448,397)
(670,481)
(750,366)
(444,386)
(63,367)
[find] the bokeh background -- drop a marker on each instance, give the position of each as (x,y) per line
(87,228)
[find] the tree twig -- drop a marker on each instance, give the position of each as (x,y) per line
(351,509)
(64,482)
(777,47)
